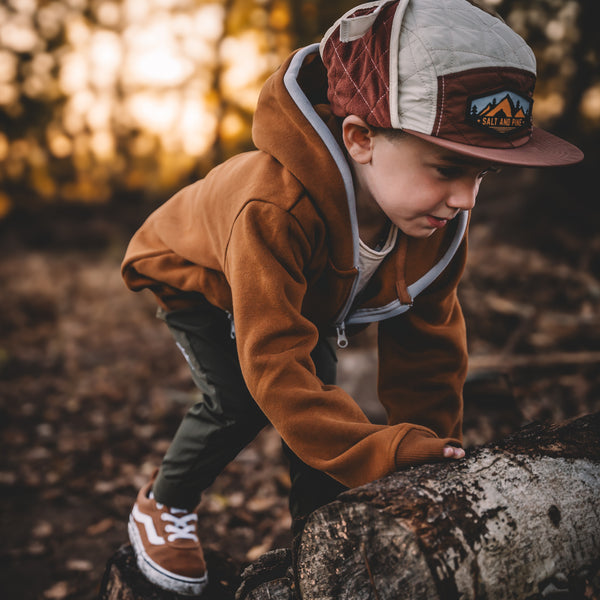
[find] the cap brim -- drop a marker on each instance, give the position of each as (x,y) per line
(543,149)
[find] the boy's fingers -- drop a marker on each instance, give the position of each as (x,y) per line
(453,452)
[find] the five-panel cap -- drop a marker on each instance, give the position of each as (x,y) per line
(445,71)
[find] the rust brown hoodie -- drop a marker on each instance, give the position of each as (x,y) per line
(271,236)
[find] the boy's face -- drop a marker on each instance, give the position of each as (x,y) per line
(417,185)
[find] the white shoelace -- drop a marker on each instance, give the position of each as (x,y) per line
(180,528)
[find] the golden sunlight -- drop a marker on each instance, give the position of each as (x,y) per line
(590,103)
(549,107)
(151,84)
(153,55)
(163,61)
(105,57)
(154,110)
(245,62)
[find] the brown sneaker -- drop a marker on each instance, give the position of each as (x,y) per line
(166,546)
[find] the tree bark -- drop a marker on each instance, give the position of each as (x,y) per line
(517,519)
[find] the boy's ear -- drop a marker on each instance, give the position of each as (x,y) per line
(358,139)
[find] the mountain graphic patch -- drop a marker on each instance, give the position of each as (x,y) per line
(503,112)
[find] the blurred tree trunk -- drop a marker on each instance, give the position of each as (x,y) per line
(586,55)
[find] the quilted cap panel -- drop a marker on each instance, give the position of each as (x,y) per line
(358,70)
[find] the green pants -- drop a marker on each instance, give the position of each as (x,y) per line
(227,419)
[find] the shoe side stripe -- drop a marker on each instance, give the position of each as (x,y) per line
(146,521)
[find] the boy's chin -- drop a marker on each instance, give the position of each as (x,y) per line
(418,232)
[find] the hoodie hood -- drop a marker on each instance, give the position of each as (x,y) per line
(294,124)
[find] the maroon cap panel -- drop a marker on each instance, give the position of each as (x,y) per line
(498,116)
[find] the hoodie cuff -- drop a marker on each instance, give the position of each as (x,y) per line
(421,445)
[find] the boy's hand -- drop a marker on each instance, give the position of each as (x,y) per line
(453,452)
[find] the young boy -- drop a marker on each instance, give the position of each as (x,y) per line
(353,210)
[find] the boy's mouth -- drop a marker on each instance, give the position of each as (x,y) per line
(436,222)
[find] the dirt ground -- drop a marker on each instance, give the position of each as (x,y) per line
(92,387)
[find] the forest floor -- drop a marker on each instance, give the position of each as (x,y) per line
(92,387)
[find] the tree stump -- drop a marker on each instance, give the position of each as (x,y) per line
(271,577)
(124,581)
(517,519)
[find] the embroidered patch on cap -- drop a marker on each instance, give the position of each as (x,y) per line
(504,112)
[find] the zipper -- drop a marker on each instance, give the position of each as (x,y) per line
(340,322)
(290,80)
(342,340)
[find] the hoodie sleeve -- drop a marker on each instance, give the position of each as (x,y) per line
(423,364)
(321,424)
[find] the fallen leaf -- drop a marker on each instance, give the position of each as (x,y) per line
(58,591)
(257,551)
(8,478)
(261,504)
(105,487)
(78,564)
(43,529)
(36,549)
(101,527)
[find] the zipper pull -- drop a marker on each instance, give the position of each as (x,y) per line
(342,340)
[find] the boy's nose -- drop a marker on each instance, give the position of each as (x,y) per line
(463,195)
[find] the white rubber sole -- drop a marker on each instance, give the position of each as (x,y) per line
(187,586)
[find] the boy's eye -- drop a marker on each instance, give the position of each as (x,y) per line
(457,171)
(488,170)
(449,172)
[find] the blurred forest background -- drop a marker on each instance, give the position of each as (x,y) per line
(109,106)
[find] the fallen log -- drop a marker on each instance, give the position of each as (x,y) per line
(515,519)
